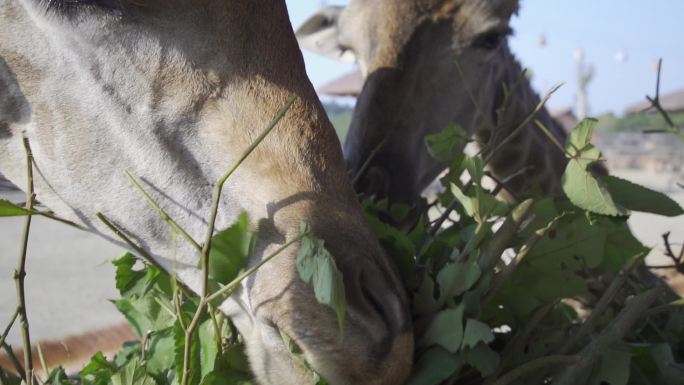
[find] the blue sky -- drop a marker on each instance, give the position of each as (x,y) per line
(644,30)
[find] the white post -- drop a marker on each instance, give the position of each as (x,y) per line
(585,74)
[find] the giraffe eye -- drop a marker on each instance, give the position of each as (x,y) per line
(489,41)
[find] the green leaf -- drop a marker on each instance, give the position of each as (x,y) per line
(482,205)
(482,358)
(235,357)
(129,351)
(130,283)
(613,369)
(145,314)
(227,377)
(208,347)
(445,145)
(434,366)
(317,267)
(58,377)
(667,365)
(445,330)
(455,278)
(573,243)
(195,361)
(399,212)
(231,368)
(134,373)
(297,355)
(579,139)
(476,332)
(475,167)
(396,243)
(230,250)
(160,353)
(10,379)
(621,245)
(9,209)
(98,371)
(639,198)
(582,188)
(424,301)
(587,192)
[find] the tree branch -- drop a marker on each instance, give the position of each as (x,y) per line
(20,272)
(613,333)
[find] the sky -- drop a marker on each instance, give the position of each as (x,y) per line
(642,30)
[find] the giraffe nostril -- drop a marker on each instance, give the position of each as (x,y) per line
(388,307)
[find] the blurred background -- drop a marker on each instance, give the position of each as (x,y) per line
(605,52)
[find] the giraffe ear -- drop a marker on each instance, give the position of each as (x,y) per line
(508,8)
(320,34)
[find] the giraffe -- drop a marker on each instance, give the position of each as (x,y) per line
(428,64)
(173,91)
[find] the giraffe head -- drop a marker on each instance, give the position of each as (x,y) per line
(427,64)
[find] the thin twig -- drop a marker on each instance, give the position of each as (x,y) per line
(491,254)
(219,185)
(655,103)
(502,184)
(603,303)
(551,137)
(226,290)
(41,357)
(668,250)
(138,250)
(522,125)
(494,137)
(520,339)
(466,86)
(437,224)
(662,309)
(164,306)
(217,329)
(15,360)
(662,267)
(177,303)
(442,218)
(368,161)
(503,276)
(164,215)
(51,215)
(20,272)
(9,326)
(206,247)
(613,333)
(534,365)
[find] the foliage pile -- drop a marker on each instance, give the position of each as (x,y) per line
(480,319)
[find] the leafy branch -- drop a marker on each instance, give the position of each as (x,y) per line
(205,296)
(655,103)
(677,259)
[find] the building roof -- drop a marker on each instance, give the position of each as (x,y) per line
(671,102)
(347,85)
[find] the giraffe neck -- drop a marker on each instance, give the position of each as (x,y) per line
(530,160)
